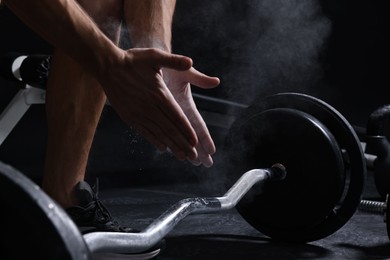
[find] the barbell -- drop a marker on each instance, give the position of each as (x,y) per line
(294,167)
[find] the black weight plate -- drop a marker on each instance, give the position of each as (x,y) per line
(292,138)
(353,158)
(33,225)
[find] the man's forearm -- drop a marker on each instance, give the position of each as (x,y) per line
(150,22)
(64,24)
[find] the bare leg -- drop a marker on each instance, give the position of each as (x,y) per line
(74,104)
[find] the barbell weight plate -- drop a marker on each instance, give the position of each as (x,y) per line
(303,199)
(354,161)
(34,226)
(337,135)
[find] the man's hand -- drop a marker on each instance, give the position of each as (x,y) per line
(179,84)
(135,88)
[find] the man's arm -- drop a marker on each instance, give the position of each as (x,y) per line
(65,25)
(150,24)
(131,79)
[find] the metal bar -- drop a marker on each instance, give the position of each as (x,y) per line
(12,114)
(34,95)
(138,242)
(18,106)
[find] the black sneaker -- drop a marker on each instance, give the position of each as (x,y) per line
(91,215)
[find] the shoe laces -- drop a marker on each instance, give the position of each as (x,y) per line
(96,207)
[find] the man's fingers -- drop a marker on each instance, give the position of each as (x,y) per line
(196,162)
(162,59)
(176,126)
(206,160)
(164,124)
(205,146)
(203,158)
(163,134)
(201,80)
(151,137)
(181,146)
(200,127)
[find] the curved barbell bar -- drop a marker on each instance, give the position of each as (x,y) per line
(115,242)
